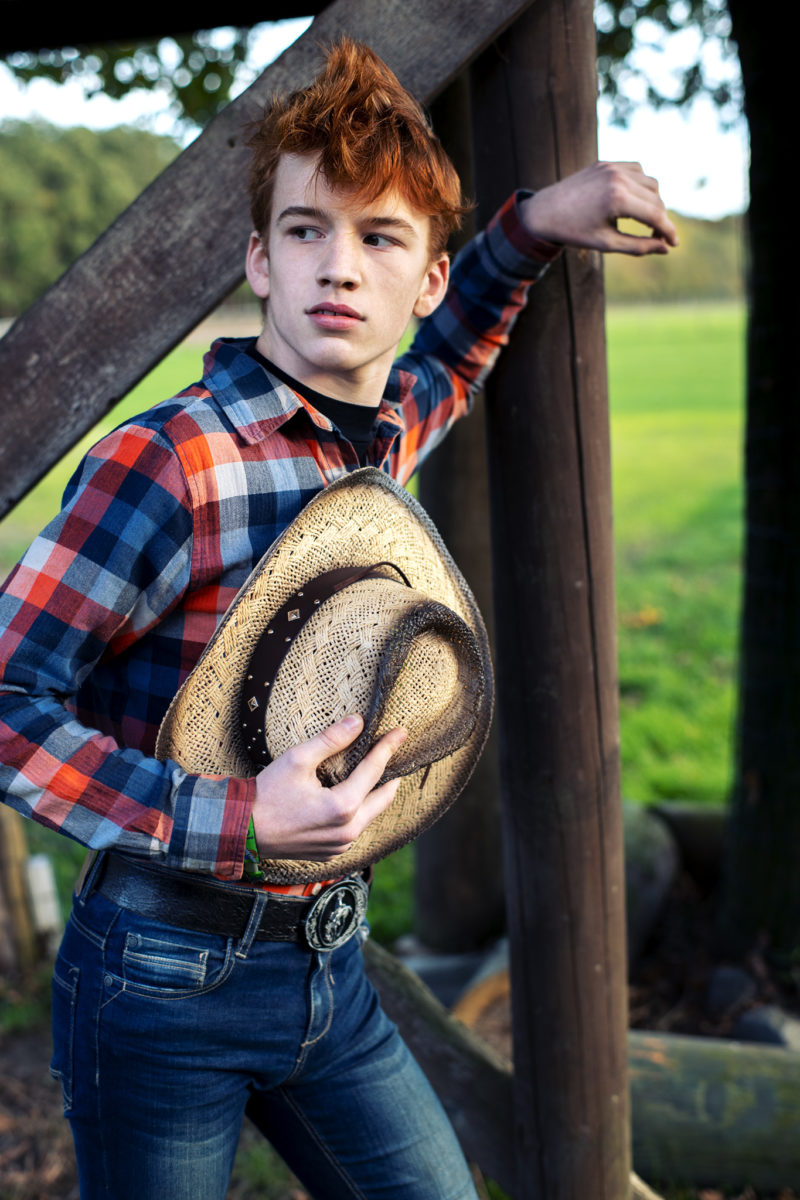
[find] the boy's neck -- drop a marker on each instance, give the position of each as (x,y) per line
(321,400)
(364,388)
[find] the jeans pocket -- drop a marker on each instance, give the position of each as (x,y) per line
(163,962)
(65,1000)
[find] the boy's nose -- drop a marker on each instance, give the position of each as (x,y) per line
(339,265)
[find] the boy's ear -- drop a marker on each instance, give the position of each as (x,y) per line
(256,266)
(434,286)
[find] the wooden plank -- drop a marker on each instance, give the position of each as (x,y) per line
(84,26)
(17,908)
(535,121)
(178,250)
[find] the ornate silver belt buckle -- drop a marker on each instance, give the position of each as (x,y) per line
(336,914)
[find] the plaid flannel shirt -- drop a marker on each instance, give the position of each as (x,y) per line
(109,610)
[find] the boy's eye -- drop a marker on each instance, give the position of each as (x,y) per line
(305,233)
(378,239)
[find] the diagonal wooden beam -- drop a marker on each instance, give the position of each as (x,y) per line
(473,1083)
(178,250)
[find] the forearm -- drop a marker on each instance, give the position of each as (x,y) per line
(489,286)
(79,782)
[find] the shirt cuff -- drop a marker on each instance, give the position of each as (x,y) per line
(211,816)
(523,254)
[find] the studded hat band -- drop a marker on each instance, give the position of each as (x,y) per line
(273,646)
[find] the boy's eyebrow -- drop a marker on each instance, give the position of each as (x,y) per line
(319,214)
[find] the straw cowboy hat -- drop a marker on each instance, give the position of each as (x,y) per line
(356,607)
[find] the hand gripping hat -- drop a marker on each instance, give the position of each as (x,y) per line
(356,608)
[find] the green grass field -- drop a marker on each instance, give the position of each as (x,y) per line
(676,389)
(676,378)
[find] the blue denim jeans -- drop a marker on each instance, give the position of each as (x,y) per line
(164,1039)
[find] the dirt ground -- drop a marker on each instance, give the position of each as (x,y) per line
(36,1161)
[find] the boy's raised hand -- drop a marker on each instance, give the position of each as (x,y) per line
(583,209)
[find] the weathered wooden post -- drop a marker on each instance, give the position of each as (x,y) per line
(533,109)
(458,892)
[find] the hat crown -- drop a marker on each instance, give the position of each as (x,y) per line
(389,653)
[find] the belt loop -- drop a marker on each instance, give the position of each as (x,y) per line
(260,901)
(90,875)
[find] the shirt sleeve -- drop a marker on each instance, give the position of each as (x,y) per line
(456,347)
(110,566)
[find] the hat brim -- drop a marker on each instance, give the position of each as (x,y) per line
(362,518)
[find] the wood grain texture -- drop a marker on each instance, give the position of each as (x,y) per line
(458,884)
(534,120)
(179,249)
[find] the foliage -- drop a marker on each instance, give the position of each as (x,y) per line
(25,1000)
(709,266)
(60,189)
(195,71)
(630,32)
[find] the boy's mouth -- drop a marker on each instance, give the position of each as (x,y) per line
(334,312)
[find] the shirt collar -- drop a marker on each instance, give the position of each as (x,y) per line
(237,383)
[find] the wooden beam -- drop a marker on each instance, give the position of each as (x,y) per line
(23,29)
(535,121)
(714,1113)
(16,902)
(178,250)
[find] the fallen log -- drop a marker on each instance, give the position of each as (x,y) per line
(699,832)
(710,1112)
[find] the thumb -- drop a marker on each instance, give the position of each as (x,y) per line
(330,741)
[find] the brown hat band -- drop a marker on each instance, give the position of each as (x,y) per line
(275,641)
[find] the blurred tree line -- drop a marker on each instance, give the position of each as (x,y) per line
(710,265)
(59,190)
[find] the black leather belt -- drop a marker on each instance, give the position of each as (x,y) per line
(322,922)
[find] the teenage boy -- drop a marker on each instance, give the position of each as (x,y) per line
(165,1035)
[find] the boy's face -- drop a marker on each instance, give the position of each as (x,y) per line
(341,281)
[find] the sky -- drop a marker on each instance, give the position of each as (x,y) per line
(702,170)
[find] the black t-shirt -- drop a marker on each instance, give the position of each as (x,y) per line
(355,421)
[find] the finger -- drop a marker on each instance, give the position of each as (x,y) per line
(337,839)
(330,741)
(656,217)
(375,803)
(638,245)
(648,208)
(363,778)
